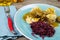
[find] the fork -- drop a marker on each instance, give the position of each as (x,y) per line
(10,23)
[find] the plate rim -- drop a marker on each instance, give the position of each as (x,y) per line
(24,7)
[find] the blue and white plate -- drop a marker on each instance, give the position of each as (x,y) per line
(25,29)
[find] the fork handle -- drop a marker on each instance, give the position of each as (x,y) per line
(10,24)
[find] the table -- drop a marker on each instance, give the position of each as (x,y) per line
(26,2)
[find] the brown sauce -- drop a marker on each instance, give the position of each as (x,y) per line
(55,24)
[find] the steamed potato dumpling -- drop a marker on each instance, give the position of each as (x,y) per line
(50,10)
(30,19)
(51,17)
(36,11)
(27,14)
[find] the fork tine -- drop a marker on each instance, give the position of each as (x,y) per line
(7,10)
(10,23)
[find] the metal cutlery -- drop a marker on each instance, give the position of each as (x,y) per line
(10,23)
